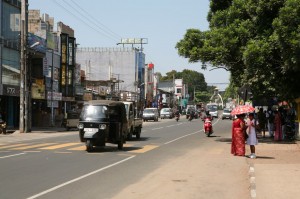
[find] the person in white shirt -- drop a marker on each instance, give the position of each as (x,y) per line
(252,138)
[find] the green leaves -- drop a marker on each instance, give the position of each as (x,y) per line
(258,41)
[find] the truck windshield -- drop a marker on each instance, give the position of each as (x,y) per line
(148,111)
(92,112)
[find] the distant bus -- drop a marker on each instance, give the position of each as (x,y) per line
(211,106)
(213,109)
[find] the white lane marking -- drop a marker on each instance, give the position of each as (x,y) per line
(188,134)
(79,178)
(170,126)
(157,128)
(8,156)
(182,137)
(216,121)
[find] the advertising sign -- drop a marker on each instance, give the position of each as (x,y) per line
(36,43)
(37,91)
(56,96)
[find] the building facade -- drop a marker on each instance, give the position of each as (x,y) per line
(10,61)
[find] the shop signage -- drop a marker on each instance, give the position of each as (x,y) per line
(11,90)
(56,96)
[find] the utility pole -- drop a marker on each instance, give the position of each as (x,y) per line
(22,65)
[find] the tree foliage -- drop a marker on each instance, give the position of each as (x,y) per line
(193,79)
(256,40)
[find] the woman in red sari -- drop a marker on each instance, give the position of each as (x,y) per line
(277,126)
(238,136)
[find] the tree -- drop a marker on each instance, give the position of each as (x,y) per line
(230,91)
(202,96)
(193,79)
(256,40)
(170,75)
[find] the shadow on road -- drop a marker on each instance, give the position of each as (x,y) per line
(106,149)
(138,140)
(224,140)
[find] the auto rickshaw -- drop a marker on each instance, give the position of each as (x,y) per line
(103,121)
(72,120)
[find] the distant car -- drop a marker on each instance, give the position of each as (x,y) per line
(150,114)
(226,114)
(166,113)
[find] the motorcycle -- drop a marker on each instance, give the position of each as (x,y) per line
(207,126)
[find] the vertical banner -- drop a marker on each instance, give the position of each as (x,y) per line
(45,66)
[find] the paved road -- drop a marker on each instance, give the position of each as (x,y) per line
(172,160)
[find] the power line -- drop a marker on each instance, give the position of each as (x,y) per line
(101,24)
(108,36)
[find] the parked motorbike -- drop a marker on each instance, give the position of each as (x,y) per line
(2,126)
(207,126)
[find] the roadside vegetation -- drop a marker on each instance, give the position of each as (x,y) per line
(256,40)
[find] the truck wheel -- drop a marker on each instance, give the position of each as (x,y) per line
(138,133)
(129,135)
(89,145)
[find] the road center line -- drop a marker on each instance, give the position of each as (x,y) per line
(170,126)
(8,156)
(187,134)
(182,137)
(79,178)
(157,128)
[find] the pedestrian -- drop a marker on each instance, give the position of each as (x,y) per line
(262,121)
(238,136)
(283,116)
(252,125)
(277,126)
(270,120)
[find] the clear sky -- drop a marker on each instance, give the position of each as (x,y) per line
(102,23)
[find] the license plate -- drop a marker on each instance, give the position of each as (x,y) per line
(90,129)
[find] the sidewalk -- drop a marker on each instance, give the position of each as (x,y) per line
(14,135)
(275,173)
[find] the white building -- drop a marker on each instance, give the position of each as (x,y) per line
(126,66)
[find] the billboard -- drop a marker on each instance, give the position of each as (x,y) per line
(36,43)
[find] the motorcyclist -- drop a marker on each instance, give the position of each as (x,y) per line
(177,115)
(207,116)
(207,125)
(192,115)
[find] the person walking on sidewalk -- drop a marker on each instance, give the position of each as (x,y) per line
(270,120)
(277,126)
(238,136)
(252,138)
(262,121)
